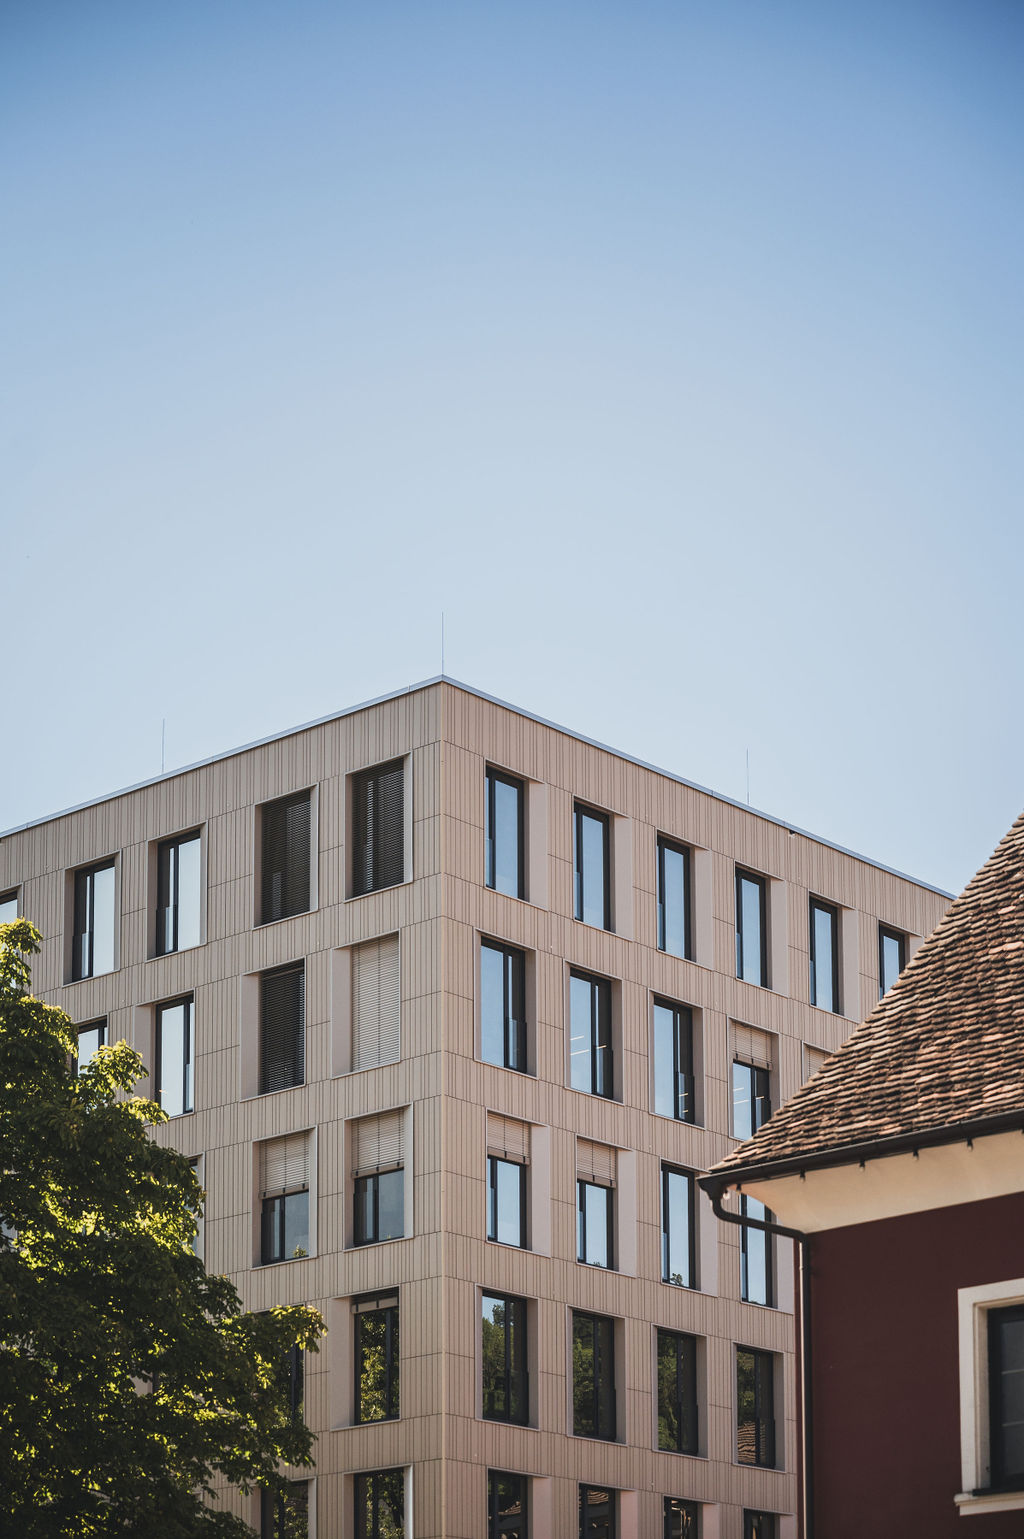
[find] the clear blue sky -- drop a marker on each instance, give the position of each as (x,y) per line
(322,318)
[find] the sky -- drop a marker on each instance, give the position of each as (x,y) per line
(672,351)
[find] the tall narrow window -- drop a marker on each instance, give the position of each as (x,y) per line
(593,868)
(824,940)
(595,1203)
(378,1156)
(376,1003)
(678,1251)
(681,1518)
(674,899)
(756,1258)
(285,857)
(507,1514)
(760,1525)
(1006,1396)
(502,1011)
(673,1061)
(293,1377)
(380,1505)
(282,1028)
(892,957)
(677,1392)
(93,941)
(376,1357)
(378,827)
(506,864)
(8,907)
(598,1513)
(89,1039)
(593,1376)
(590,1032)
(755,1407)
(285,1514)
(751,1098)
(508,1154)
(503,1348)
(284,1198)
(751,928)
(175,1056)
(178,893)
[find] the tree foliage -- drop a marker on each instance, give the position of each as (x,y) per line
(131,1382)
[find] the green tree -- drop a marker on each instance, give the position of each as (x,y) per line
(131,1382)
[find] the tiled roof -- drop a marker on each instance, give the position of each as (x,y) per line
(944,1049)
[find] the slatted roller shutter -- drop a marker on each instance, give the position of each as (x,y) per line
(508,1138)
(595,1162)
(752,1046)
(378,815)
(284,1164)
(378,1143)
(814,1057)
(376,1003)
(282,1029)
(285,857)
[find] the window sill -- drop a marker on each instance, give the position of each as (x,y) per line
(353,897)
(161,956)
(506,1244)
(969,1502)
(264,924)
(261,1266)
(70,982)
(675,1453)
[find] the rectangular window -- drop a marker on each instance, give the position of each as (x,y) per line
(293,1376)
(593,1376)
(178,891)
(677,1392)
(503,1350)
(506,864)
(595,1203)
(755,1407)
(759,1525)
(673,1061)
(590,1031)
(892,957)
(507,1514)
(378,827)
(598,1513)
(285,856)
(751,1098)
(376,1357)
(678,1250)
(380,1505)
(508,1154)
(1006,1396)
(502,1009)
(93,942)
(378,1156)
(681,1519)
(89,1039)
(751,928)
(756,1268)
(282,1028)
(674,899)
(593,867)
(824,939)
(284,1198)
(8,907)
(376,1003)
(285,1514)
(175,1056)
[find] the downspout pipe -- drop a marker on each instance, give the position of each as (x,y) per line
(716,1188)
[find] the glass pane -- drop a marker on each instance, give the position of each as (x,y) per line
(171,1088)
(508,1193)
(822,960)
(748,940)
(742,1100)
(673,901)
(103,921)
(372,1351)
(593,875)
(88,1041)
(680,1518)
(391,1205)
(380,1505)
(581,1004)
(492,1005)
(597,1514)
(188,893)
(664,1061)
(891,949)
(8,910)
(677,1229)
(506,1497)
(754,1256)
(603,1068)
(594,1215)
(506,838)
(296,1224)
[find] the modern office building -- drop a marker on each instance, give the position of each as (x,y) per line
(451,1006)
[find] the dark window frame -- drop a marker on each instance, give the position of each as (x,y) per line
(168,891)
(682,1057)
(266,1060)
(492,777)
(762,1370)
(188,1063)
(372,841)
(1001,1478)
(275,1520)
(513,1380)
(686,1409)
(819,906)
(665,843)
(581,1224)
(366,1485)
(515,1044)
(746,1230)
(611,1529)
(493,1161)
(682,1507)
(760,1096)
(273,1225)
(759,1524)
(370,1235)
(363,1307)
(888,932)
(11,896)
(667,1172)
(603,1407)
(580,811)
(83,932)
(602,1059)
(496,1528)
(273,909)
(761,883)
(100,1025)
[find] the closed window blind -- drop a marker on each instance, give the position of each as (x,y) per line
(814,1057)
(752,1046)
(508,1138)
(376,1003)
(285,857)
(284,1164)
(378,1143)
(595,1162)
(282,1029)
(378,834)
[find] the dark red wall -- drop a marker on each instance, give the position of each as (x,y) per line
(885,1372)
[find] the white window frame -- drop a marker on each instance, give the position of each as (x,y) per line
(973,1305)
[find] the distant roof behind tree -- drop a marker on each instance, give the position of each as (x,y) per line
(940,1057)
